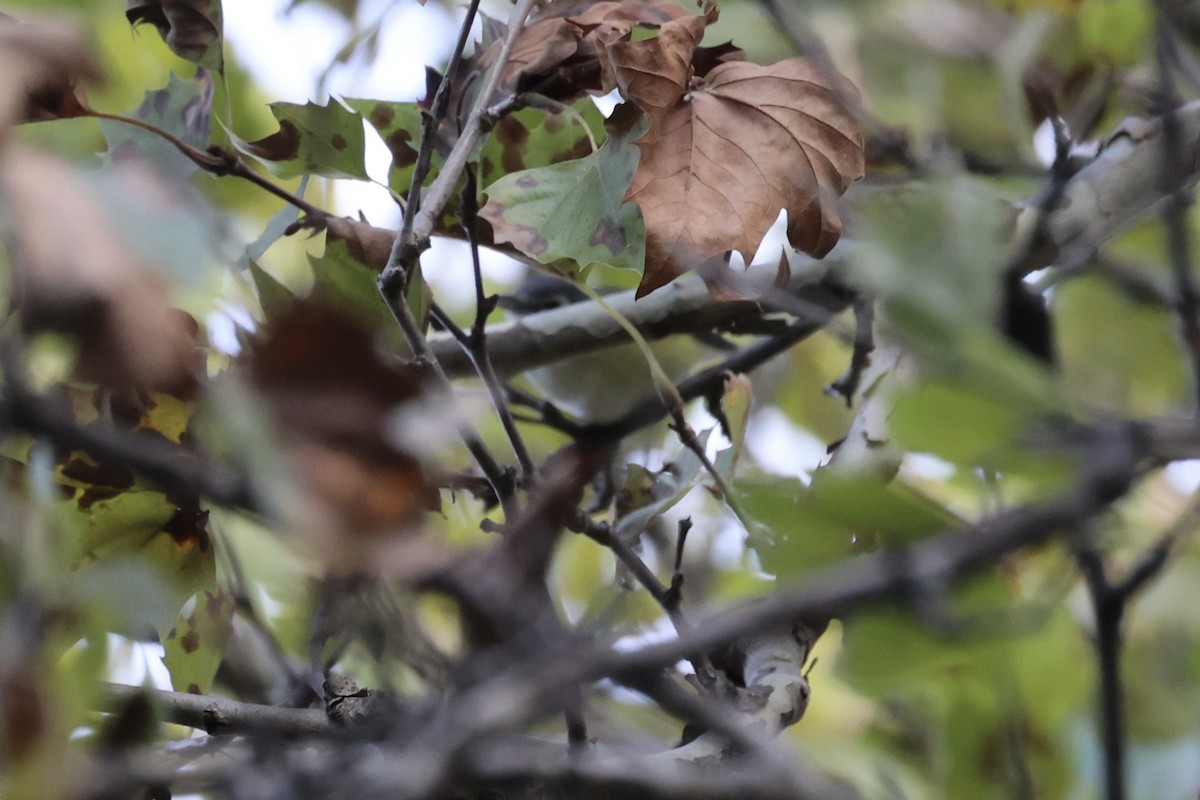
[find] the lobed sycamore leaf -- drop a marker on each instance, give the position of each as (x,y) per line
(539,137)
(730,148)
(115,515)
(312,139)
(573,210)
(193,29)
(182,108)
(399,125)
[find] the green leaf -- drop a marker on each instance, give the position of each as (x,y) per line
(535,137)
(273,296)
(317,140)
(116,515)
(648,495)
(574,210)
(835,517)
(348,283)
(956,422)
(1118,355)
(1116,30)
(195,646)
(399,125)
(182,108)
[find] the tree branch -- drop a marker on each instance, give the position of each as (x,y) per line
(220,715)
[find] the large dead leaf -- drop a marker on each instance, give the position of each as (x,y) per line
(335,400)
(40,65)
(193,29)
(729,149)
(73,272)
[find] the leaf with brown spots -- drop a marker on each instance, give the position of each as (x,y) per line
(336,402)
(729,149)
(534,137)
(193,29)
(574,210)
(399,125)
(182,108)
(193,649)
(314,140)
(112,514)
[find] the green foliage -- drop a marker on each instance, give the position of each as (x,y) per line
(314,485)
(312,139)
(574,210)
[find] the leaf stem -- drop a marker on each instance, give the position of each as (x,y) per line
(219,163)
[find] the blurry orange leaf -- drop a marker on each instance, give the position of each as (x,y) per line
(40,65)
(73,273)
(335,398)
(367,244)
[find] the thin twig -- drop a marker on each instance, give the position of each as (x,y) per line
(171,467)
(431,121)
(477,341)
(408,246)
(864,344)
(675,591)
(217,162)
(220,715)
(1109,608)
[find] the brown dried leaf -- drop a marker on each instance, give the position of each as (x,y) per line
(367,244)
(73,273)
(559,52)
(334,399)
(40,65)
(193,29)
(726,151)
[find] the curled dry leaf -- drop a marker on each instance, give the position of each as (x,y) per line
(191,28)
(40,64)
(74,274)
(729,149)
(559,52)
(367,244)
(334,399)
